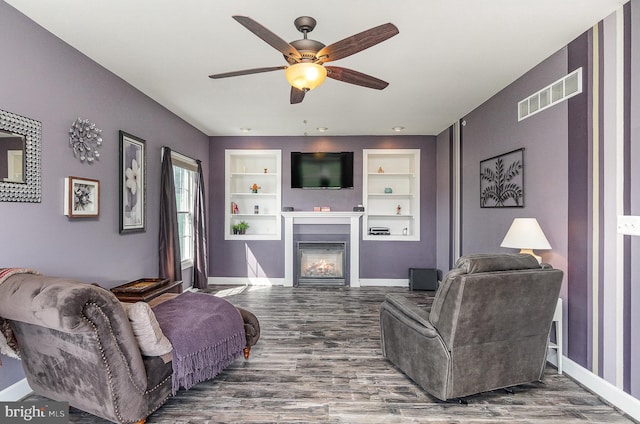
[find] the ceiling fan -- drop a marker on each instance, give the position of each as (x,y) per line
(306,57)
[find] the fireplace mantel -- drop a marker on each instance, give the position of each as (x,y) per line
(323,218)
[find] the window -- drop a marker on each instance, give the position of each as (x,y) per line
(185,176)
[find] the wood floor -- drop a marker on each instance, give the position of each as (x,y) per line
(319,361)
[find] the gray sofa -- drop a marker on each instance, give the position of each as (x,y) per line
(77,345)
(487,327)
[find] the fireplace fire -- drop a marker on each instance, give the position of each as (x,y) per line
(321,263)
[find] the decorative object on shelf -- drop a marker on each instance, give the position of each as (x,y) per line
(240,227)
(133,197)
(525,234)
(398,210)
(404,231)
(85,139)
(254,188)
(22,137)
(358,208)
(502,180)
(256,209)
(81,197)
(380,170)
(265,170)
(388,190)
(234,208)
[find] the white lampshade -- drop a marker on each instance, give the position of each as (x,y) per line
(306,75)
(525,234)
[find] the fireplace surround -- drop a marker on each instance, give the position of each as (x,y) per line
(352,219)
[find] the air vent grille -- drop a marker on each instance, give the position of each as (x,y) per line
(560,90)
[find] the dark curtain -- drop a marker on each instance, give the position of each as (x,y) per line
(200,257)
(169,240)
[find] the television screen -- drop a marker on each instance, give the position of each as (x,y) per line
(331,170)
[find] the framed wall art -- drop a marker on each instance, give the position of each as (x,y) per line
(81,197)
(502,180)
(133,193)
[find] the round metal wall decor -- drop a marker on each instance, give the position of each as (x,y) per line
(85,139)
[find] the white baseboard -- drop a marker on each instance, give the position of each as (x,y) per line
(265,281)
(16,391)
(607,391)
(384,282)
(246,281)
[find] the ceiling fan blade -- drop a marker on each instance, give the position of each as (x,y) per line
(269,37)
(355,77)
(356,43)
(296,95)
(246,72)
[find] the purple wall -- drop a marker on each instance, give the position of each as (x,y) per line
(493,129)
(634,187)
(51,82)
(377,259)
(443,201)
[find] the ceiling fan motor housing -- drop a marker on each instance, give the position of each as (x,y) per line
(307,48)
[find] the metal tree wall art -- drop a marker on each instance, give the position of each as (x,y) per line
(501,181)
(85,139)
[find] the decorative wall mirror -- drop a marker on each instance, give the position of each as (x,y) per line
(20,150)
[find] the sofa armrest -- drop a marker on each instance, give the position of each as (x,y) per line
(51,302)
(410,313)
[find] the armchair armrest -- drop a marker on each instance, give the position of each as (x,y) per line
(410,313)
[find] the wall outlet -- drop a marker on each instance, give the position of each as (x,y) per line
(629,225)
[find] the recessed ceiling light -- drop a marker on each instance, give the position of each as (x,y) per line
(398,128)
(322,129)
(245,130)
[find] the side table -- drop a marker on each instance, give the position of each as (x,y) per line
(557,346)
(146,296)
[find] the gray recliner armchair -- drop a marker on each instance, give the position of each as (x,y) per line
(487,328)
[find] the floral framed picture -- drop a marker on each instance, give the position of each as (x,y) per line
(81,197)
(133,193)
(502,181)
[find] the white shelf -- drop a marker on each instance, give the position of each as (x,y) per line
(243,169)
(398,170)
(253,194)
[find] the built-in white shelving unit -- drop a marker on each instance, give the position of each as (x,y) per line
(391,193)
(243,169)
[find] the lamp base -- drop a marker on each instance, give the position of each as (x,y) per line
(530,252)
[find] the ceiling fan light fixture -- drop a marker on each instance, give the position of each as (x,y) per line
(306,76)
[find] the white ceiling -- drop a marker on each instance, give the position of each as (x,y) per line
(449,57)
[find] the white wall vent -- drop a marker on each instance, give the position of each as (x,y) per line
(560,90)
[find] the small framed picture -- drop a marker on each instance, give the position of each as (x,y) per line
(133,196)
(81,197)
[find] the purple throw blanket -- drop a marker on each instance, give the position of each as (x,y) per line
(207,334)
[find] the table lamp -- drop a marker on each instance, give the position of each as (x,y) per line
(525,234)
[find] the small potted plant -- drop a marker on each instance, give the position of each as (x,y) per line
(240,227)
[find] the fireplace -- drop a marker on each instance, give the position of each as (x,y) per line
(321,263)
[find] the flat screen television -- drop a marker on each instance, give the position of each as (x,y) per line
(329,170)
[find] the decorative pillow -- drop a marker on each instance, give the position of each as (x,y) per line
(151,340)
